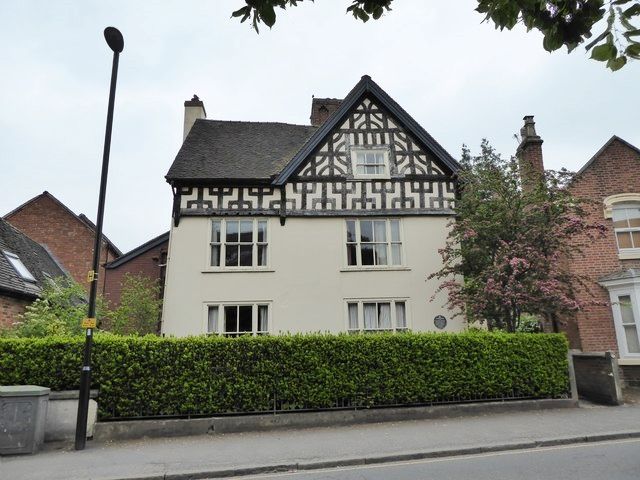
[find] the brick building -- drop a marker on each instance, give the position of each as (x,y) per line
(68,236)
(610,181)
(149,260)
(24,267)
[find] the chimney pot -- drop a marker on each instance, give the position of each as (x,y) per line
(193,110)
(322,108)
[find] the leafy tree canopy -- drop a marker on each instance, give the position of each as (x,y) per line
(507,251)
(566,23)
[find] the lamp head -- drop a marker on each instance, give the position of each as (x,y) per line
(114,39)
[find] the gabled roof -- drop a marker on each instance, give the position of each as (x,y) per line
(613,139)
(268,152)
(227,150)
(367,86)
(35,258)
(145,247)
(82,218)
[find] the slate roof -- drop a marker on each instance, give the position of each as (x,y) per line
(216,149)
(34,256)
(265,152)
(145,247)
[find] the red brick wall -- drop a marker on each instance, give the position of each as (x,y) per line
(67,237)
(615,171)
(630,375)
(10,309)
(146,264)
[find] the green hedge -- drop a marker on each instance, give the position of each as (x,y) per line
(149,376)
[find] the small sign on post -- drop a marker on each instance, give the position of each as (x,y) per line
(89,323)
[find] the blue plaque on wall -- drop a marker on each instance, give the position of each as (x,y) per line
(440,321)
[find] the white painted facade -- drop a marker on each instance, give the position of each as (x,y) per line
(369,162)
(306,282)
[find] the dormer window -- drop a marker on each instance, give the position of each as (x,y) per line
(19,267)
(368,163)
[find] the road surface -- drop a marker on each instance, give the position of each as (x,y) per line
(614,460)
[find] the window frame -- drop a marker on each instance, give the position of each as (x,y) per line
(16,263)
(618,288)
(385,151)
(615,294)
(223,243)
(394,321)
(622,200)
(389,242)
(254,318)
(634,251)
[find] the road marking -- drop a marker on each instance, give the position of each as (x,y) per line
(440,459)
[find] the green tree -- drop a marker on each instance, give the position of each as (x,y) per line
(507,251)
(59,311)
(139,309)
(566,23)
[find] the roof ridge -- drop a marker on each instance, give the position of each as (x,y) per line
(85,221)
(139,250)
(256,122)
(601,150)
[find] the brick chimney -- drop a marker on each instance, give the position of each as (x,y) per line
(322,108)
(529,155)
(193,110)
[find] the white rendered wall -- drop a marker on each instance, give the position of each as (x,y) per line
(306,285)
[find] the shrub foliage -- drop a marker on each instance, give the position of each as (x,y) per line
(150,376)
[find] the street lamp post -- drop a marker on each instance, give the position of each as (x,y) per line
(116,43)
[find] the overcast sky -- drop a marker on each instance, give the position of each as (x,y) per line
(462,80)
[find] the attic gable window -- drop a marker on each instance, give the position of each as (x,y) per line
(368,163)
(19,267)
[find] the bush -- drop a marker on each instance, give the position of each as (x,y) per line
(59,311)
(139,310)
(149,376)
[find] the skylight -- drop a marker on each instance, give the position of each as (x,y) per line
(19,266)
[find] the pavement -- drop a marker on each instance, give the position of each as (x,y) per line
(224,455)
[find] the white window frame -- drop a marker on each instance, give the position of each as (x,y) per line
(18,265)
(620,288)
(622,200)
(370,176)
(358,243)
(394,324)
(222,244)
(633,252)
(254,318)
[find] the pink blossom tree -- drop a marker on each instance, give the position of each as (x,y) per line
(507,250)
